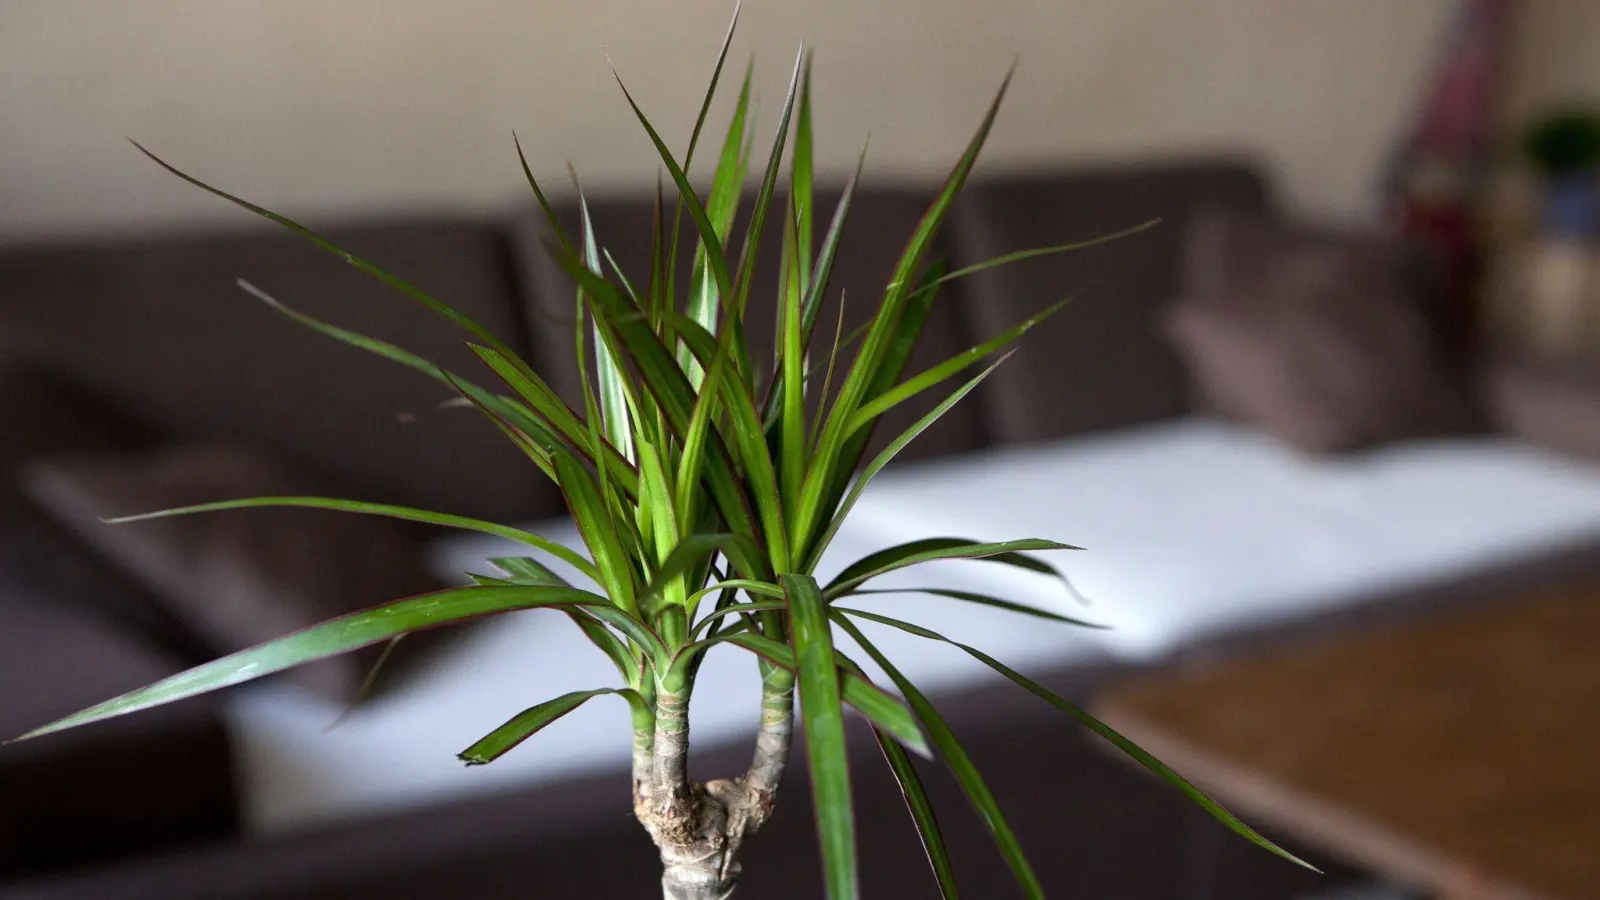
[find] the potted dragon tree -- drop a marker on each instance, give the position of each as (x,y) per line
(705,497)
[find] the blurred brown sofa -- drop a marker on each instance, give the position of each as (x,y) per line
(155,344)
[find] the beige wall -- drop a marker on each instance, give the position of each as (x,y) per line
(316,107)
(1555,56)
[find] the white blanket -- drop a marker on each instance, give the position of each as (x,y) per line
(1194,527)
(1191,527)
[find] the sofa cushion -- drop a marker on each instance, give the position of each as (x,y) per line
(1194,528)
(44,563)
(1101,362)
(1553,404)
(401,751)
(240,577)
(1311,336)
(881,220)
(159,326)
(41,561)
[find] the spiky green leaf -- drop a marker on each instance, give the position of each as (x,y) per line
(981,600)
(886,456)
(527,723)
(405,513)
(340,635)
(956,759)
(922,815)
(823,711)
(1156,766)
(911,553)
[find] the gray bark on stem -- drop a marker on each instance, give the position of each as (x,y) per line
(643,760)
(698,828)
(777,728)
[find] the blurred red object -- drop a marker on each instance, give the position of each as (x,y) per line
(1438,173)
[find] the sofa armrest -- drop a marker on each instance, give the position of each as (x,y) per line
(1555,405)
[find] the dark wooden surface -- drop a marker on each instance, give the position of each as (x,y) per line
(1460,753)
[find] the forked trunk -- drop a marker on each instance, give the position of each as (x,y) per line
(699,828)
(702,871)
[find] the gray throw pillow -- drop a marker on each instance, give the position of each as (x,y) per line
(1312,337)
(42,562)
(240,577)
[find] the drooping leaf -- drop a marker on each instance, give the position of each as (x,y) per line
(921,809)
(604,640)
(936,549)
(543,400)
(528,571)
(1160,769)
(340,635)
(1032,252)
(501,407)
(982,600)
(367,682)
(406,513)
(917,801)
(956,759)
(400,284)
(525,724)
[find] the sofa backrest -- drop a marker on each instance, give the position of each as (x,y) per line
(1102,362)
(159,328)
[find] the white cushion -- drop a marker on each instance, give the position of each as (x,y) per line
(1192,527)
(399,749)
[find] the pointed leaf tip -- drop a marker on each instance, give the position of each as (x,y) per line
(259,294)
